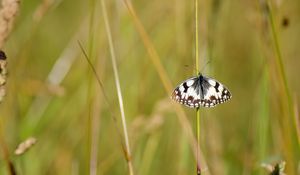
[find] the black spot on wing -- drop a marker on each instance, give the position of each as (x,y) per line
(217,86)
(212,98)
(185,87)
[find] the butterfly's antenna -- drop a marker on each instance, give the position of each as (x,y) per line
(194,68)
(203,68)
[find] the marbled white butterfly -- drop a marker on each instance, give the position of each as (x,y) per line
(201,91)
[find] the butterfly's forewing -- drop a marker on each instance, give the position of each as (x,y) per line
(187,93)
(201,91)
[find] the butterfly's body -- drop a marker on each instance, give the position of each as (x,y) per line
(201,91)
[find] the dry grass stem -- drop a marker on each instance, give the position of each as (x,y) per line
(117,81)
(42,9)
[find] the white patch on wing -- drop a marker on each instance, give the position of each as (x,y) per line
(220,88)
(212,92)
(190,92)
(212,82)
(190,83)
(181,88)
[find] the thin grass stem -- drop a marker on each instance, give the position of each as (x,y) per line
(106,99)
(198,141)
(197,70)
(279,55)
(285,98)
(92,126)
(117,81)
(297,119)
(280,65)
(196,37)
(287,101)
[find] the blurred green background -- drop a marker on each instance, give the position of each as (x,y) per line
(53,95)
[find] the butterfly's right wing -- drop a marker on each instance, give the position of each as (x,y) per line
(188,93)
(213,92)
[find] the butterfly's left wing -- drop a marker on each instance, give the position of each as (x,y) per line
(188,93)
(213,92)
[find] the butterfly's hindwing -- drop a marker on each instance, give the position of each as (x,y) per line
(201,91)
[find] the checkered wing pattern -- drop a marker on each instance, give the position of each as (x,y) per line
(201,91)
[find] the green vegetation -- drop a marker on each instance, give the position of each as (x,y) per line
(53,94)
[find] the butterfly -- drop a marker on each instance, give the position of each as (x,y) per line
(201,91)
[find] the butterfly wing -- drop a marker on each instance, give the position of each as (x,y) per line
(213,92)
(201,91)
(188,93)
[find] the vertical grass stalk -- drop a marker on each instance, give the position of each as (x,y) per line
(286,99)
(279,55)
(198,141)
(197,71)
(92,126)
(263,119)
(282,70)
(117,81)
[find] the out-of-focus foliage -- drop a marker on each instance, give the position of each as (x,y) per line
(53,95)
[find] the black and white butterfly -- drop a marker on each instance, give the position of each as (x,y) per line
(201,91)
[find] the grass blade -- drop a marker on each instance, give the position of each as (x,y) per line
(117,81)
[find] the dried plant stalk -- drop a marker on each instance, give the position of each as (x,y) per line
(8,13)
(42,9)
(127,149)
